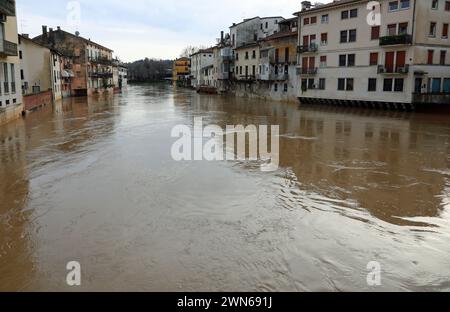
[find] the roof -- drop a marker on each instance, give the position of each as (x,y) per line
(88,41)
(283,34)
(335,3)
(56,51)
(209,50)
(287,21)
(248,45)
(183,59)
(250,19)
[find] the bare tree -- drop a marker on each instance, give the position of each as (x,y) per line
(189,50)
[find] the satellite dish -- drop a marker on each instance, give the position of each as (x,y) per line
(77,33)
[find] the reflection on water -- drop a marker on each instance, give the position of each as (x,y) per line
(94,182)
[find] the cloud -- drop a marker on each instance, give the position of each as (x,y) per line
(148,28)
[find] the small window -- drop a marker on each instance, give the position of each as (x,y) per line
(432,29)
(373,59)
(351,60)
(342,60)
(306,21)
(352,35)
(275,87)
(405,4)
(398,85)
(393,6)
(350,84)
(445,30)
(314,20)
(344,15)
(447,6)
(372,85)
(353,13)
(434,4)
(322,85)
(344,37)
(285,88)
(375,33)
(387,85)
(341,84)
(325,19)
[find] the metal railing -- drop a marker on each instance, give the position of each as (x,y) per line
(313,47)
(307,70)
(393,70)
(8,48)
(396,39)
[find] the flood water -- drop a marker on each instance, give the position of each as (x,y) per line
(94,182)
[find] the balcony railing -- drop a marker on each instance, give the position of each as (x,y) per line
(100,60)
(8,48)
(306,70)
(94,74)
(397,70)
(396,39)
(313,47)
(8,7)
(247,77)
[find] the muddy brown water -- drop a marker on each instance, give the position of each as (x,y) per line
(93,181)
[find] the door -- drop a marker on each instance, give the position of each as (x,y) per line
(312,62)
(436,87)
(418,85)
(401,59)
(390,62)
(304,65)
(306,41)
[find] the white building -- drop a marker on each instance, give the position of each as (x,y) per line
(201,68)
(253,29)
(10,96)
(345,60)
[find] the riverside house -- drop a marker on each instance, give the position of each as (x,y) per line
(402,63)
(10,96)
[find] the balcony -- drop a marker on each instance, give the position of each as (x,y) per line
(398,70)
(101,61)
(395,40)
(247,78)
(311,48)
(303,71)
(8,48)
(8,7)
(104,75)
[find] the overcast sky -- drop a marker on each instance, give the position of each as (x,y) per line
(135,29)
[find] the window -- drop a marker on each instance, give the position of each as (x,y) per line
(445,31)
(322,84)
(324,39)
(253,54)
(373,59)
(306,21)
(387,85)
(447,6)
(402,28)
(267,25)
(342,60)
(393,6)
(6,76)
(353,13)
(341,84)
(344,15)
(237,56)
(398,84)
(275,87)
(434,4)
(351,60)
(392,29)
(443,56)
(344,37)
(375,34)
(311,84)
(430,57)
(20,55)
(285,87)
(325,19)
(323,61)
(314,20)
(22,75)
(432,29)
(372,85)
(246,55)
(350,84)
(404,4)
(352,35)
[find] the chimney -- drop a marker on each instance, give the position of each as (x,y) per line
(51,36)
(59,28)
(306,5)
(221,36)
(44,31)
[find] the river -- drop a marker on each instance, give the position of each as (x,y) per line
(93,181)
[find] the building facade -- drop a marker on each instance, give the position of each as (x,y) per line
(201,68)
(92,63)
(253,29)
(400,61)
(181,71)
(11,105)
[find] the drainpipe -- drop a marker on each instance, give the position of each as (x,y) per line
(414,23)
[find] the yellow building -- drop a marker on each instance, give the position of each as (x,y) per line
(10,96)
(181,69)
